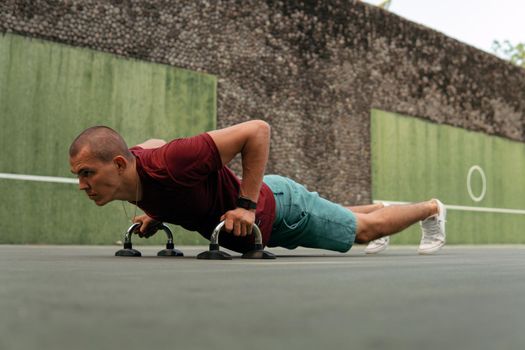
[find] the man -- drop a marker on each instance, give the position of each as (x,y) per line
(186,182)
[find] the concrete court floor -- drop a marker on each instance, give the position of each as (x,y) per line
(83,297)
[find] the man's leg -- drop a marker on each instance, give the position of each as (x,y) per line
(305,219)
(377,245)
(392,219)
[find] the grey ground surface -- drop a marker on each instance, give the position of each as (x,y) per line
(83,297)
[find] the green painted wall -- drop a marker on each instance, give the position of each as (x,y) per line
(415,160)
(48,94)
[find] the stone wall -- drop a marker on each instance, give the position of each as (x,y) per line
(313,69)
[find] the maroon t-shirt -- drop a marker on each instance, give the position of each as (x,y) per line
(185,183)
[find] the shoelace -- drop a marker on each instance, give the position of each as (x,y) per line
(431,229)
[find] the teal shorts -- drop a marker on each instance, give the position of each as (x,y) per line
(305,219)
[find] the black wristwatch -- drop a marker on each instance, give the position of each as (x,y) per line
(245,203)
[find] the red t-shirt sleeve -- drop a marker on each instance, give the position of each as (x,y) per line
(186,161)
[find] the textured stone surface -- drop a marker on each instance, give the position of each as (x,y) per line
(313,70)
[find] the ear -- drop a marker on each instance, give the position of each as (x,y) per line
(121,163)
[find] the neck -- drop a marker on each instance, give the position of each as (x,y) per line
(137,195)
(132,188)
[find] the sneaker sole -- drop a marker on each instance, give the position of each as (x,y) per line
(376,250)
(430,251)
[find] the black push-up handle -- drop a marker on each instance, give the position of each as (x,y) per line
(128,247)
(215,254)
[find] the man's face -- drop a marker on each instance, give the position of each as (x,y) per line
(99,180)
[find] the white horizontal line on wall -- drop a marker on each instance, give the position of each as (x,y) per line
(69,180)
(23,177)
(466,208)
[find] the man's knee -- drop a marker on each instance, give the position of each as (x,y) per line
(363,238)
(367,229)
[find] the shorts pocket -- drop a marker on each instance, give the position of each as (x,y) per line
(298,225)
(290,235)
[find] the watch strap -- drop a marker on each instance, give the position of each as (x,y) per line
(245,203)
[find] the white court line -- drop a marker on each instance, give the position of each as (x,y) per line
(467,208)
(67,180)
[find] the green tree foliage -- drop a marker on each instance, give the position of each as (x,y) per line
(514,53)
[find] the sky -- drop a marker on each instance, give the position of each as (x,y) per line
(475,22)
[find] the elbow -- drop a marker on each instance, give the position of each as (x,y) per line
(158,141)
(155,143)
(152,143)
(262,127)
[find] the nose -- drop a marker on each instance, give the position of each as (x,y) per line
(82,184)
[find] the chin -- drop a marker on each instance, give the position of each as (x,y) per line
(101,202)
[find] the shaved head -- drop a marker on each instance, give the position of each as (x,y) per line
(102,142)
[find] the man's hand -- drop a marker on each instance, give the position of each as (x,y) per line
(239,220)
(148,226)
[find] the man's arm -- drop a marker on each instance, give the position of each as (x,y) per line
(152,143)
(252,140)
(148,226)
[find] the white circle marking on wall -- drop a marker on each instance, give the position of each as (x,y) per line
(483,180)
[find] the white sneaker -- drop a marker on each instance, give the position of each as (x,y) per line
(377,245)
(433,231)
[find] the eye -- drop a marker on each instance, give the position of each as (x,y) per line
(85,173)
